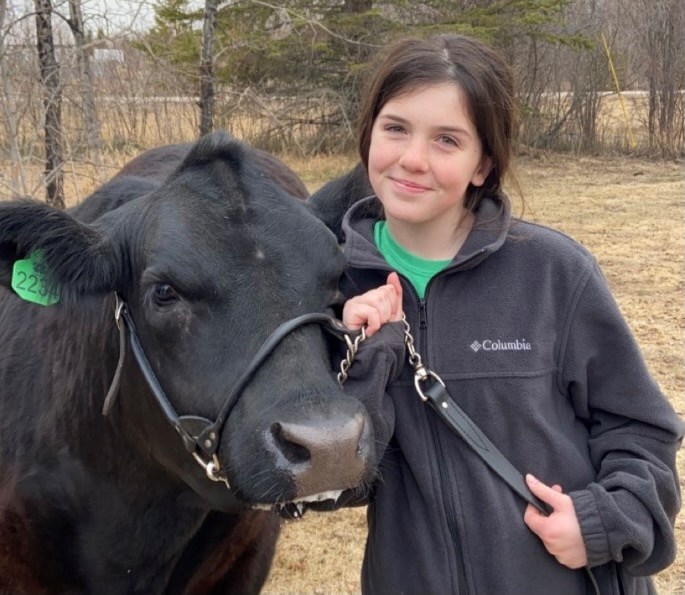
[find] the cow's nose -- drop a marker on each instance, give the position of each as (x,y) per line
(327,453)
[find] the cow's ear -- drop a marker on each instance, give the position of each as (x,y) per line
(74,255)
(331,201)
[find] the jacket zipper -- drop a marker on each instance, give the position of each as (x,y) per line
(423,324)
(443,479)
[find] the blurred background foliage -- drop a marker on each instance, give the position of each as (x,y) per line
(593,76)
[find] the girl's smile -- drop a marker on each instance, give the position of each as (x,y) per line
(408,185)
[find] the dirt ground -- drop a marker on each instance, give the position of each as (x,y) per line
(630,213)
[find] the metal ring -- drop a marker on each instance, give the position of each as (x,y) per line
(119,306)
(212,469)
(421,375)
(352,348)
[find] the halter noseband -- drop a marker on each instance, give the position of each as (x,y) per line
(200,435)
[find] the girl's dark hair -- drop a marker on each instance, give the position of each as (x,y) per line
(481,73)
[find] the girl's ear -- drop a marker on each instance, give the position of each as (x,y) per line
(481,174)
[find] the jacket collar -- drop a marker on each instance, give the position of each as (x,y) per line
(490,230)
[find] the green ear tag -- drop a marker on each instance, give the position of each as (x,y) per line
(29,281)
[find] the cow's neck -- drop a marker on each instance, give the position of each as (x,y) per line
(140,535)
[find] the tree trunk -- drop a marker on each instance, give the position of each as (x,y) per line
(659,24)
(207,68)
(90,115)
(18,182)
(52,104)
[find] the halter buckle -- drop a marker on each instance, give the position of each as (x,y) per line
(212,469)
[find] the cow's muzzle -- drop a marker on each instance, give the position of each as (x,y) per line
(324,451)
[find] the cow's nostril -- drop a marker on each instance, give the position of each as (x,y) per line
(287,439)
(325,452)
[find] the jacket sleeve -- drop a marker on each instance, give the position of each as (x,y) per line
(378,362)
(627,514)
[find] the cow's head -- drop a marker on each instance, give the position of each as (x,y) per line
(210,263)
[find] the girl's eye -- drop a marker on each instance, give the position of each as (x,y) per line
(448,140)
(164,294)
(394,128)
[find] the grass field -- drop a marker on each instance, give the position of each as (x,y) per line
(630,213)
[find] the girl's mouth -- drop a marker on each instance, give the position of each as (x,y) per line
(408,185)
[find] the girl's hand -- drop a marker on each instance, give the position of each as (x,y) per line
(560,531)
(375,307)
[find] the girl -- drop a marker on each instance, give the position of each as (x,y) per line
(518,321)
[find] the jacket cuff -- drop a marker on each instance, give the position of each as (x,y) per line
(381,357)
(591,528)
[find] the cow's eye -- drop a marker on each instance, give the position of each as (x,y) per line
(164,294)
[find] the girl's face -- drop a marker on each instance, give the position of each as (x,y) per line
(424,153)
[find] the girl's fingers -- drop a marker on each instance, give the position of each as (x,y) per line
(357,314)
(396,308)
(375,307)
(555,498)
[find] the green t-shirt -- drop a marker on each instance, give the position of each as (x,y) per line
(418,270)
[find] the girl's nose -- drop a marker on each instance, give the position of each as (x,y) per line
(415,155)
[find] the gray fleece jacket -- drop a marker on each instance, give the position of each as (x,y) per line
(530,342)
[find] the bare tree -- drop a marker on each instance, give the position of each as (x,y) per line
(52,104)
(207,68)
(17,182)
(93,140)
(657,27)
(664,39)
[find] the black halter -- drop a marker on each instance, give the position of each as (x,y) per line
(199,434)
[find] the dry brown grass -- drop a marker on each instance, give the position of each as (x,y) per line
(129,124)
(630,214)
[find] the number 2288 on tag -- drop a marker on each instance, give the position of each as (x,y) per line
(30,282)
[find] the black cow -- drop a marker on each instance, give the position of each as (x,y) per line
(200,269)
(333,199)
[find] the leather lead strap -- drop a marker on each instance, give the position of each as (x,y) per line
(464,427)
(467,430)
(455,417)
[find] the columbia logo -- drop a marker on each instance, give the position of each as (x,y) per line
(499,345)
